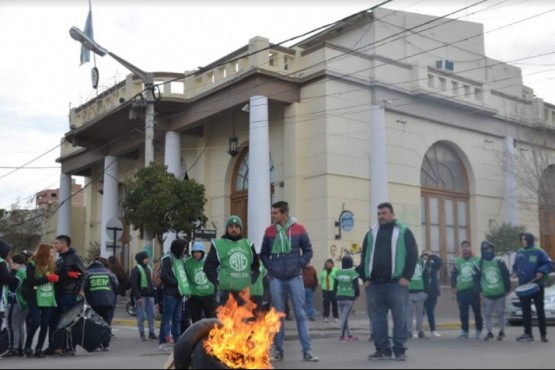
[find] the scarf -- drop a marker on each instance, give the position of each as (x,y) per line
(282,244)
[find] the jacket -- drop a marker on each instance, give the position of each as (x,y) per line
(69,262)
(102,294)
(136,290)
(286,266)
(310,277)
(529,261)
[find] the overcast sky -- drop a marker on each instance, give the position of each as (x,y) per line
(41,78)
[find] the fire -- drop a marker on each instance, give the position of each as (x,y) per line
(243,341)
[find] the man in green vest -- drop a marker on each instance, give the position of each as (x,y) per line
(232,264)
(495,284)
(463,284)
(389,255)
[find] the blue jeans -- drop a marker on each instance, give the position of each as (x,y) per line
(294,288)
(146,307)
(465,300)
(309,298)
(430,306)
(381,298)
(172,312)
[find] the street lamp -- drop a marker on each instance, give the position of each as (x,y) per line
(147,78)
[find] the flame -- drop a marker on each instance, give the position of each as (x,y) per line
(243,341)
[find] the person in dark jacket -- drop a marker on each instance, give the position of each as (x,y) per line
(5,277)
(389,255)
(346,290)
(494,282)
(17,307)
(433,291)
(310,281)
(232,264)
(69,291)
(143,292)
(100,286)
(532,264)
(285,250)
(174,287)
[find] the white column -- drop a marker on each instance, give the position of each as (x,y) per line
(172,159)
(109,202)
(63,226)
(378,161)
(511,206)
(259,170)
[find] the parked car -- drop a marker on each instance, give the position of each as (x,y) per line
(513,311)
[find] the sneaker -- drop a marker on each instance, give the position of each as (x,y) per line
(501,336)
(277,356)
(28,352)
(142,336)
(152,336)
(342,339)
(464,335)
(435,334)
(415,336)
(525,338)
(371,338)
(336,320)
(489,336)
(478,334)
(309,357)
(352,338)
(105,349)
(67,352)
(544,339)
(400,356)
(169,339)
(326,319)
(421,335)
(20,352)
(379,355)
(164,348)
(10,353)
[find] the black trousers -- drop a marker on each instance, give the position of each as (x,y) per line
(202,304)
(106,313)
(526,304)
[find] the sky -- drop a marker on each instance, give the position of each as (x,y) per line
(41,76)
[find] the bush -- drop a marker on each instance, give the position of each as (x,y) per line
(506,238)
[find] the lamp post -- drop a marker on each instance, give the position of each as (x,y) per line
(148,80)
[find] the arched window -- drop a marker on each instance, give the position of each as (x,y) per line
(445,216)
(240,186)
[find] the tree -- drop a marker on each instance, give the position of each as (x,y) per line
(506,238)
(157,201)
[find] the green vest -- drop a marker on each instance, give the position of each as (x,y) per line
(144,282)
(257,289)
(324,275)
(100,281)
(235,263)
(492,279)
(45,292)
(345,279)
(417,280)
(21,275)
(465,272)
(179,272)
(397,245)
(198,282)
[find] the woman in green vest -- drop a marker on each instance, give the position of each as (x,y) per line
(39,287)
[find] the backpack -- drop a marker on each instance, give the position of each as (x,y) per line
(156,275)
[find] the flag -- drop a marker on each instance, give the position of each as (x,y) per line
(86,54)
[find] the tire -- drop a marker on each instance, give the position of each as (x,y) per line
(130,309)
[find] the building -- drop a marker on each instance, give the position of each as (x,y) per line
(51,196)
(371,109)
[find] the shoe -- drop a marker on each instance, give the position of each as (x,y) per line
(525,338)
(501,336)
(326,319)
(169,339)
(20,352)
(342,339)
(409,334)
(400,356)
(371,338)
(164,348)
(489,336)
(421,335)
(277,356)
(478,334)
(39,354)
(544,339)
(464,335)
(309,357)
(67,353)
(28,352)
(336,320)
(352,338)
(49,351)
(311,319)
(415,336)
(142,337)
(152,336)
(435,334)
(10,353)
(105,349)
(379,355)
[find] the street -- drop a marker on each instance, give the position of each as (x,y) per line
(446,352)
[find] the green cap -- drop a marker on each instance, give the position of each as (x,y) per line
(234,220)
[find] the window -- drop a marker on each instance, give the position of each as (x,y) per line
(444,202)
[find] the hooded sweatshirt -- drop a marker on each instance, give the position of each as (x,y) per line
(530,260)
(493,278)
(137,290)
(167,273)
(346,285)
